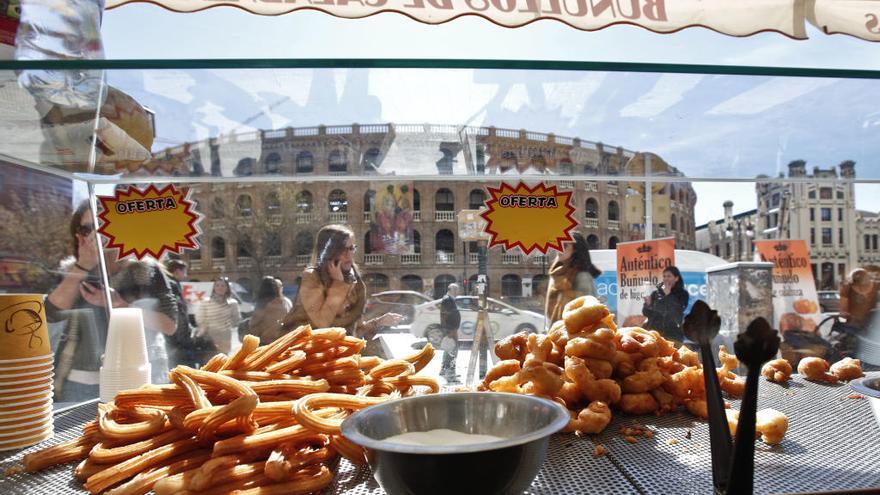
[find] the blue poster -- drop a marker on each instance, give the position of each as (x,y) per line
(606,288)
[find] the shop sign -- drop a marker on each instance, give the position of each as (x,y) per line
(795,302)
(640,268)
(149,222)
(533,219)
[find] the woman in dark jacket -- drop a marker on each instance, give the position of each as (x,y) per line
(665,306)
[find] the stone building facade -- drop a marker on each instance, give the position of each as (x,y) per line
(822,213)
(291,182)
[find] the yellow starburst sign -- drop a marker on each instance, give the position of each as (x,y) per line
(149,222)
(535,218)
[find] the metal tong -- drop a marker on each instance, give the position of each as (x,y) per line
(733,465)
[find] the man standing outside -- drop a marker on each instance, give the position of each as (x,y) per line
(450,319)
(181,347)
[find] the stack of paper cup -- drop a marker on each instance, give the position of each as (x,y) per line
(25,372)
(126,364)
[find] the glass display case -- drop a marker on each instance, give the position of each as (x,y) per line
(722,163)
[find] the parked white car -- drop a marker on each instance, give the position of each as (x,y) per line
(504,319)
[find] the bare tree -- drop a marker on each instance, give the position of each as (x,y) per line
(35,239)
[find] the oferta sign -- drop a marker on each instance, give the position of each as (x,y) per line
(149,222)
(533,219)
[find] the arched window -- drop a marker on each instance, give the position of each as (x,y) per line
(591,209)
(337,162)
(612,242)
(508,161)
(476,199)
(444,164)
(682,196)
(218,208)
(444,241)
(672,192)
(376,282)
(444,200)
(272,246)
(368,246)
(682,225)
(481,159)
(673,222)
(441,283)
(302,244)
(417,200)
(369,199)
(245,167)
(338,201)
(196,169)
(218,248)
(412,282)
(593,241)
(305,163)
(565,168)
(417,242)
(304,202)
(244,205)
(613,211)
(371,159)
(511,285)
(245,247)
(273,163)
(273,204)
(590,169)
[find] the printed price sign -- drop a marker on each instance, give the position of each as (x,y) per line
(532,218)
(149,222)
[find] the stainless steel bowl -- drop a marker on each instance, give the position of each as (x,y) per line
(505,466)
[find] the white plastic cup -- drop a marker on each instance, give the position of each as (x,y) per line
(114,381)
(126,364)
(126,343)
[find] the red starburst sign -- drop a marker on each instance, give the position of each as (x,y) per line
(535,218)
(149,222)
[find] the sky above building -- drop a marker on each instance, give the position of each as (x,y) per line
(706,125)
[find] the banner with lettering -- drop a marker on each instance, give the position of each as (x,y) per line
(795,302)
(860,18)
(736,18)
(640,266)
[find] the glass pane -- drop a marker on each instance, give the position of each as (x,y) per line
(718,163)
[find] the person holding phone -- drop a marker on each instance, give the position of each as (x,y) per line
(79,302)
(665,306)
(332,293)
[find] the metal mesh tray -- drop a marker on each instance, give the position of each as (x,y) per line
(833,442)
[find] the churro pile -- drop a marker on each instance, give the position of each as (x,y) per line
(265,420)
(590,366)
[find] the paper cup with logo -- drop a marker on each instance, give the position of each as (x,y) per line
(23,321)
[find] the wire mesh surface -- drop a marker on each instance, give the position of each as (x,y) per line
(833,442)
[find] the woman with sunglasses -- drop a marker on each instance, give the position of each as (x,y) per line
(219,316)
(332,293)
(79,301)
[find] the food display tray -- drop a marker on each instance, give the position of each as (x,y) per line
(833,443)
